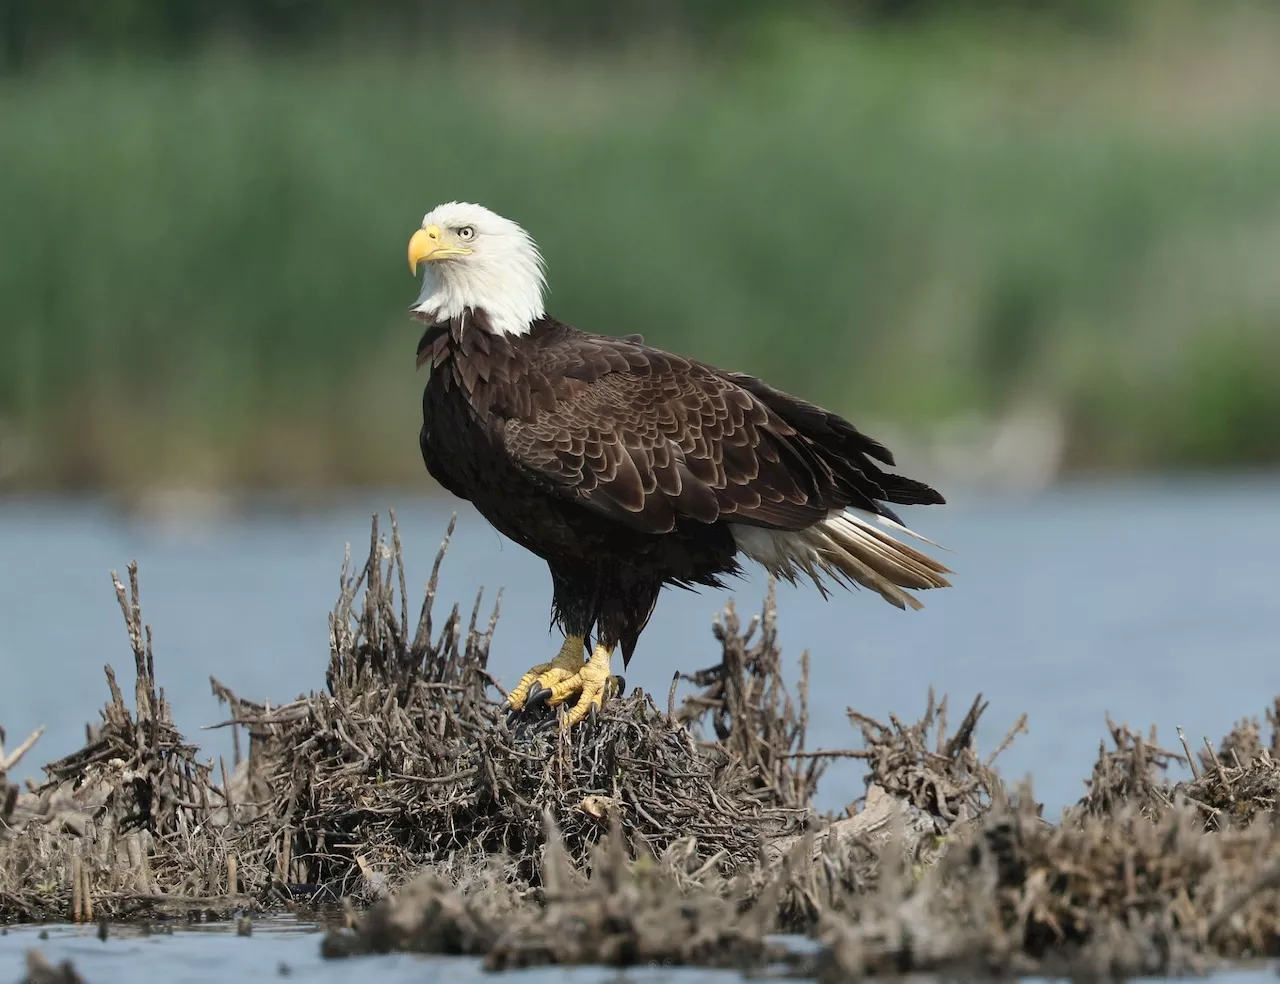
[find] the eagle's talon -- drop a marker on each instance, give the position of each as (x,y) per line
(559,682)
(538,696)
(533,689)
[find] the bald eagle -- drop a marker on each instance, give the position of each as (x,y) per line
(627,468)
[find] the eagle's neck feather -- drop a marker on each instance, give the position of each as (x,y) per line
(509,294)
(470,336)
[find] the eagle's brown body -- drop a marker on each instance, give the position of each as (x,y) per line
(625,467)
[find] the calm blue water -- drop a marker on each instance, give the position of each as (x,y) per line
(282,950)
(1154,601)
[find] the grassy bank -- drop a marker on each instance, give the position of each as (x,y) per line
(203,277)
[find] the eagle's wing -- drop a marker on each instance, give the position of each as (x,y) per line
(646,437)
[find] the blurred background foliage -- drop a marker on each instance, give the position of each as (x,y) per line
(935,217)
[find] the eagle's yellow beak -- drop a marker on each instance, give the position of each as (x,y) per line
(428,244)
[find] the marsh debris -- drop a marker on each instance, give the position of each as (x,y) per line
(405,760)
(624,907)
(1130,773)
(1135,879)
(11,820)
(123,822)
(676,831)
(1239,782)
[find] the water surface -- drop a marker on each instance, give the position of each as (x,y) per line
(278,950)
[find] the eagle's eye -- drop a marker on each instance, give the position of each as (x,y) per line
(467,233)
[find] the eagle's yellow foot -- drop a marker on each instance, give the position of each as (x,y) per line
(592,684)
(554,685)
(566,664)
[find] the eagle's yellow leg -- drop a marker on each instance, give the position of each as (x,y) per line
(566,665)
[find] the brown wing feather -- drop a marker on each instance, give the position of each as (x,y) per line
(846,449)
(647,437)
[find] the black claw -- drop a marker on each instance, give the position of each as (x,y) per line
(538,696)
(619,684)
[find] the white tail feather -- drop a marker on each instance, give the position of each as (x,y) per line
(849,548)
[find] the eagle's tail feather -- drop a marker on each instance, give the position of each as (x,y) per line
(849,548)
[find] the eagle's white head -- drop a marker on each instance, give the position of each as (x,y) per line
(477,259)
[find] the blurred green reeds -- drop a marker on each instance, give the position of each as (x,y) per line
(202,273)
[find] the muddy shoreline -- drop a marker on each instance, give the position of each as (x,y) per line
(674,828)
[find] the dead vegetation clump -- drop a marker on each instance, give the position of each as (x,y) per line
(628,903)
(1135,879)
(1129,774)
(405,759)
(127,821)
(1232,785)
(1117,896)
(945,778)
(623,907)
(10,819)
(678,832)
(1239,783)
